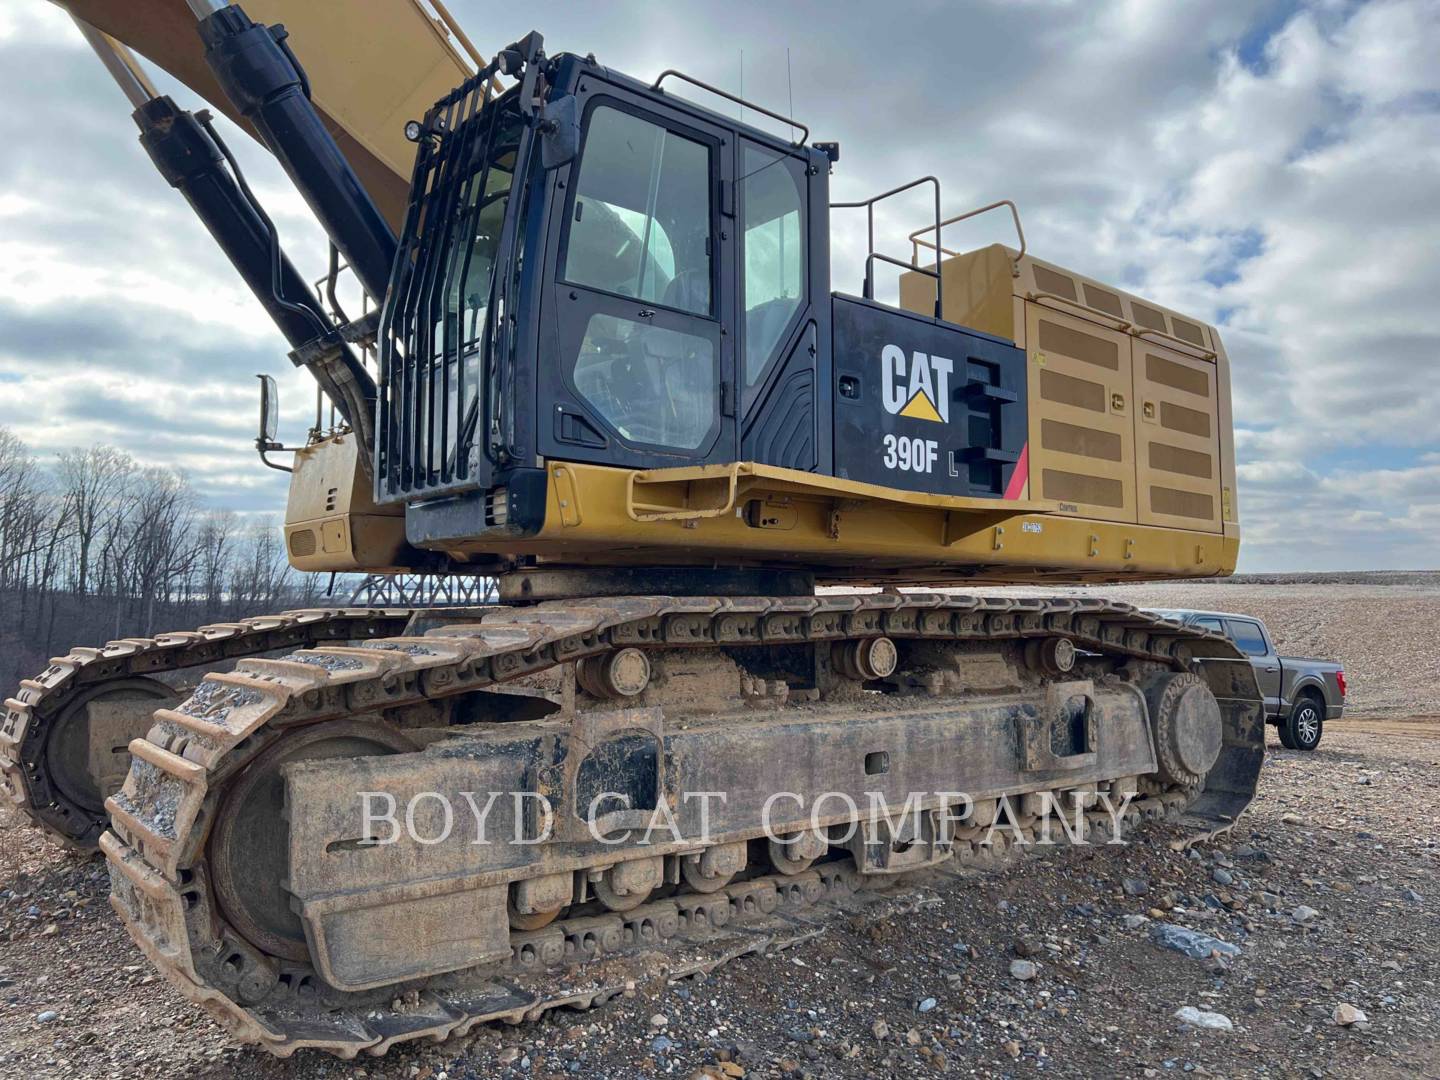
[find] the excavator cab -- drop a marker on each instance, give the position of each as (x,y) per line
(628,304)
(595,270)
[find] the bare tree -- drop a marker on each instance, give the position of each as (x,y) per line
(93,482)
(162,546)
(98,548)
(217,543)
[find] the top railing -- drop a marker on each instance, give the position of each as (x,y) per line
(916,243)
(914,264)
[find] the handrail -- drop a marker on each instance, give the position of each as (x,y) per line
(916,242)
(455,30)
(805,131)
(1205,354)
(872,255)
(869,273)
(1038,296)
(641,511)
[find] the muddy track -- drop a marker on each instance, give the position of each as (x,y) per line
(47,700)
(163,816)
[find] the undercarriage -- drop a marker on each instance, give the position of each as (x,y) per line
(502,811)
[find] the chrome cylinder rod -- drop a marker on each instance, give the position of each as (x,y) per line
(121,64)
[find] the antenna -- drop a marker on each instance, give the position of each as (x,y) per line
(790,83)
(742,85)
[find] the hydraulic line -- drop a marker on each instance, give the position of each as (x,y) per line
(190,155)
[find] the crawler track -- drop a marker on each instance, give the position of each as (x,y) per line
(42,703)
(163,817)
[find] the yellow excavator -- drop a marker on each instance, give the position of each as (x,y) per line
(599,358)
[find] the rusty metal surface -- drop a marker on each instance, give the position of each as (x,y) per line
(160,819)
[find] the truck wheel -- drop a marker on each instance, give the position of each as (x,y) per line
(1305,724)
(1283,730)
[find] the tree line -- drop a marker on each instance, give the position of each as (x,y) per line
(96,546)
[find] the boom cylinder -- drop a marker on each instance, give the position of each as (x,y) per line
(189,158)
(260,74)
(190,162)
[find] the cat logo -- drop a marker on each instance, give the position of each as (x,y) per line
(919,387)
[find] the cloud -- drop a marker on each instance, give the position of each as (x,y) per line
(1268,165)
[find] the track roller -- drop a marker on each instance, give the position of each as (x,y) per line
(713,868)
(627,885)
(793,854)
(535,902)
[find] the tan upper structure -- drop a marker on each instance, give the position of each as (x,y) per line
(1129,401)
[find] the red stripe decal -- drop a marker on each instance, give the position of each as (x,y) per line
(1021,474)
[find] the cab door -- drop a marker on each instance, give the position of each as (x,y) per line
(637,364)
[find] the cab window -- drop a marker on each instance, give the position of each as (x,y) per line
(771,207)
(1207,623)
(640,224)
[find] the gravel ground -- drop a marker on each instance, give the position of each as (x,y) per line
(1327,887)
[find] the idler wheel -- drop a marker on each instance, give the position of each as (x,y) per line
(79,750)
(1188,726)
(250,843)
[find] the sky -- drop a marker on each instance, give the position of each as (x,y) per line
(1269,166)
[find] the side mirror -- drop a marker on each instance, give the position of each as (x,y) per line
(269,410)
(560,131)
(269,422)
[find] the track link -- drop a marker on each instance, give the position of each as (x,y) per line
(162,816)
(31,716)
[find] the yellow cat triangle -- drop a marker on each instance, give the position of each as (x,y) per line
(920,407)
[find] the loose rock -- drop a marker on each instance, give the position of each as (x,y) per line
(1199,1018)
(1135,886)
(1345,1015)
(1193,944)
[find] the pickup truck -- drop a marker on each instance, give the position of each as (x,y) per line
(1300,694)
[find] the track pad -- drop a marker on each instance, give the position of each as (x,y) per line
(380,913)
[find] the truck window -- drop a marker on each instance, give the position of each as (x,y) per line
(1248,636)
(1205,622)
